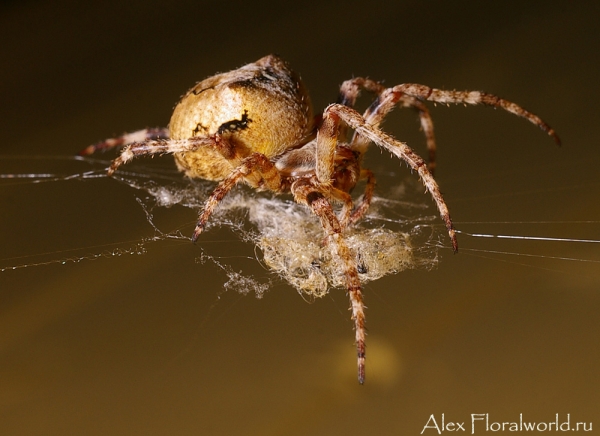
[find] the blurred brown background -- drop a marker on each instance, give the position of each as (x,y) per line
(149,344)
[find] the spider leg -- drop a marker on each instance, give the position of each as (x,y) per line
(255,163)
(350,89)
(160,146)
(331,119)
(383,105)
(349,92)
(472,97)
(345,215)
(127,138)
(364,204)
(386,100)
(307,192)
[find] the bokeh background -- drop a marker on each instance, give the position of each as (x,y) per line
(150,344)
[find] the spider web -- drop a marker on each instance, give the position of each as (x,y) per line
(290,241)
(400,231)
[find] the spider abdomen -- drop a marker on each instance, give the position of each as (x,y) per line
(262,107)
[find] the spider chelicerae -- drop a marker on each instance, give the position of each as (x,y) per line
(256,124)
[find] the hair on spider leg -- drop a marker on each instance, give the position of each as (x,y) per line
(256,125)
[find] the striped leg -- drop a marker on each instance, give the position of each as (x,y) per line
(472,97)
(384,103)
(326,138)
(256,163)
(306,192)
(127,138)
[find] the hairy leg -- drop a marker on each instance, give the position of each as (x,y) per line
(386,100)
(349,93)
(383,105)
(343,197)
(255,163)
(161,146)
(331,119)
(364,204)
(127,138)
(306,192)
(472,97)
(350,90)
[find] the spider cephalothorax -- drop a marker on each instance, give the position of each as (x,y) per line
(255,124)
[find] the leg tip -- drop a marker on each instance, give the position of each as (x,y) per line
(197,232)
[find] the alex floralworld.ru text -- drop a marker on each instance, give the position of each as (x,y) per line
(482,422)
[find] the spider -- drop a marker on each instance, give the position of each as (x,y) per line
(256,125)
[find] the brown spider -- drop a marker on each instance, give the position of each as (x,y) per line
(256,124)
